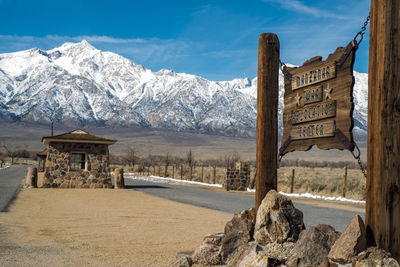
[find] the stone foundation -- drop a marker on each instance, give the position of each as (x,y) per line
(237,179)
(58,173)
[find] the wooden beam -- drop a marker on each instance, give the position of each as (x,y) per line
(383,154)
(267,115)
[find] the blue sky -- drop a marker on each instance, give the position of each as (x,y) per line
(214,39)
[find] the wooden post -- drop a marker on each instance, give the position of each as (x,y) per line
(191,173)
(292,182)
(166,171)
(119,182)
(159,170)
(383,154)
(173,171)
(215,174)
(148,170)
(202,173)
(344,182)
(181,171)
(31,178)
(267,115)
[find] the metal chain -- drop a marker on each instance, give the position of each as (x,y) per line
(358,158)
(283,65)
(363,29)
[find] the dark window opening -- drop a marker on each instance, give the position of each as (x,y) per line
(77,161)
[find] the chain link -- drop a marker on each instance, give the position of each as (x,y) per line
(358,158)
(363,29)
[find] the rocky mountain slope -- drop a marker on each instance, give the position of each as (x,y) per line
(77,84)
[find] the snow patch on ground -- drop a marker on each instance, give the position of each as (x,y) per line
(159,179)
(309,195)
(5,167)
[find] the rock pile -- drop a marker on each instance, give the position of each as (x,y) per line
(279,238)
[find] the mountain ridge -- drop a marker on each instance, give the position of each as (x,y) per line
(79,84)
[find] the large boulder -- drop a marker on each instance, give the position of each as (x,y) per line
(313,246)
(238,232)
(351,242)
(277,220)
(208,252)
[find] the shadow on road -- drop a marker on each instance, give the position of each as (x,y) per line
(146,187)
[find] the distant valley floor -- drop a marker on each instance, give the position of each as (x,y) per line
(160,141)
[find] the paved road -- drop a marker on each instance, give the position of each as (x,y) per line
(233,203)
(10,180)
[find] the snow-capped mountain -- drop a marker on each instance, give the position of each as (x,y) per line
(79,84)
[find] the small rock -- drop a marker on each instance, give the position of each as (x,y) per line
(277,220)
(208,252)
(313,246)
(351,242)
(255,256)
(184,261)
(376,257)
(238,232)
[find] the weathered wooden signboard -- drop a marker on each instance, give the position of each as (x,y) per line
(319,103)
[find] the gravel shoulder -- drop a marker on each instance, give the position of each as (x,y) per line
(46,227)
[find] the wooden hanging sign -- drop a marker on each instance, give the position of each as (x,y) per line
(319,103)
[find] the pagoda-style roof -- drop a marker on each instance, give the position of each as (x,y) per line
(78,136)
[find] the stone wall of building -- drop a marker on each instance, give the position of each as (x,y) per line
(57,169)
(237,179)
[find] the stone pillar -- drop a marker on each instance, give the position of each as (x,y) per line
(119,179)
(31,178)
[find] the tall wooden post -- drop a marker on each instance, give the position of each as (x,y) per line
(173,171)
(202,173)
(344,182)
(267,115)
(383,155)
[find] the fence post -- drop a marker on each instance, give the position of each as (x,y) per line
(292,182)
(344,182)
(202,173)
(267,115)
(181,171)
(173,171)
(215,174)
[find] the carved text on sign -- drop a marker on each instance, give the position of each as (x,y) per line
(313,130)
(316,75)
(314,112)
(313,95)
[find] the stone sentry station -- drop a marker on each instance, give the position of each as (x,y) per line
(76,159)
(237,178)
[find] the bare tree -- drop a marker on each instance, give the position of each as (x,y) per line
(131,157)
(11,151)
(190,162)
(230,160)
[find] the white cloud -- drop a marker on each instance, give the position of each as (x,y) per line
(299,7)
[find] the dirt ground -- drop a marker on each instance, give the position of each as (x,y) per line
(65,227)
